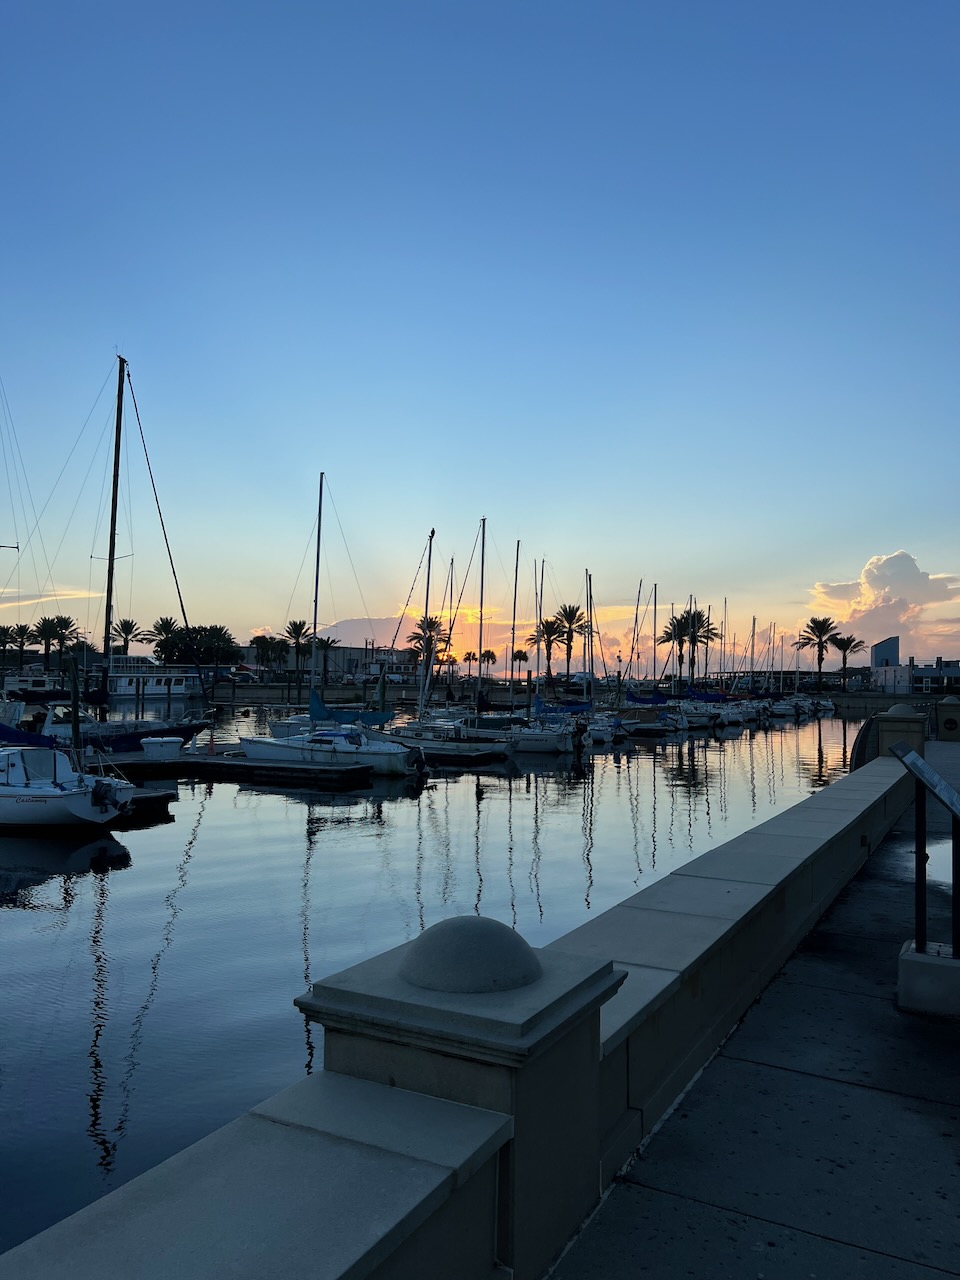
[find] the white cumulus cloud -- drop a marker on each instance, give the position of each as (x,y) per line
(891,596)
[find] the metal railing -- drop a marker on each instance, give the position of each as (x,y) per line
(927,780)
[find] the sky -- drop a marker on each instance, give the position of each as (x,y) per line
(666,292)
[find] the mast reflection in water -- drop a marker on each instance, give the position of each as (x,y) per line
(147,986)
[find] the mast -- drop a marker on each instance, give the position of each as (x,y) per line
(593,654)
(536,613)
(586,629)
(706,649)
(316,589)
(483,553)
(513,623)
(634,639)
(690,645)
(450,636)
(735,666)
(427,653)
(112,548)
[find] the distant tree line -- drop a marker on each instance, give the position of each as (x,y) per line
(429,642)
(173,643)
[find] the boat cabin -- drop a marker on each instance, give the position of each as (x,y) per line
(38,766)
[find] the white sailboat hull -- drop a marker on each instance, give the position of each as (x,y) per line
(39,788)
(39,809)
(385,759)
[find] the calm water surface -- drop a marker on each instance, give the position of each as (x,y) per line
(147,982)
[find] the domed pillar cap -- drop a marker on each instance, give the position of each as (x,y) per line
(901,709)
(470,954)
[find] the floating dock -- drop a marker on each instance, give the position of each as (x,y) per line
(227,764)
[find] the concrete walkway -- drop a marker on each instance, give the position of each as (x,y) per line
(823,1140)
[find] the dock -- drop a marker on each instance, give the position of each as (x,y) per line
(823,1138)
(228,764)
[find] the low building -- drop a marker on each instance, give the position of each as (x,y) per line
(940,677)
(351,664)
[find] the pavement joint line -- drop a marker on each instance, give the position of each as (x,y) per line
(839,991)
(857,937)
(841,1080)
(787,1226)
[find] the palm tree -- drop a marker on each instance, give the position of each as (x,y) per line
(7,638)
(519,656)
(817,634)
(426,639)
(22,636)
(279,652)
(67,631)
(548,633)
(699,632)
(298,633)
(262,646)
(469,658)
(46,633)
(574,623)
(488,658)
(126,630)
(166,636)
(675,632)
(271,652)
(846,645)
(325,644)
(215,645)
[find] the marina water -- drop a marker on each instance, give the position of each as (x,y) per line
(148,980)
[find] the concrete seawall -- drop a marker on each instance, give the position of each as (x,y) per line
(424,1146)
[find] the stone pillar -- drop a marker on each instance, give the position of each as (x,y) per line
(901,724)
(469,1012)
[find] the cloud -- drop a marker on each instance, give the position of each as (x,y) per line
(45,599)
(891,597)
(887,578)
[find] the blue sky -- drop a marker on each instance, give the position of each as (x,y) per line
(666,291)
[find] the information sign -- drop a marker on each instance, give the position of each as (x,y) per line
(947,795)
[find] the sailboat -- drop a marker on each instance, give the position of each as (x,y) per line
(320,739)
(39,787)
(57,723)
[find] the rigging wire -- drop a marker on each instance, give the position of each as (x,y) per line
(403,611)
(163,527)
(32,532)
(356,579)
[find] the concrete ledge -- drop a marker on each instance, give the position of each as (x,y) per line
(929,983)
(700,945)
(384,1177)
